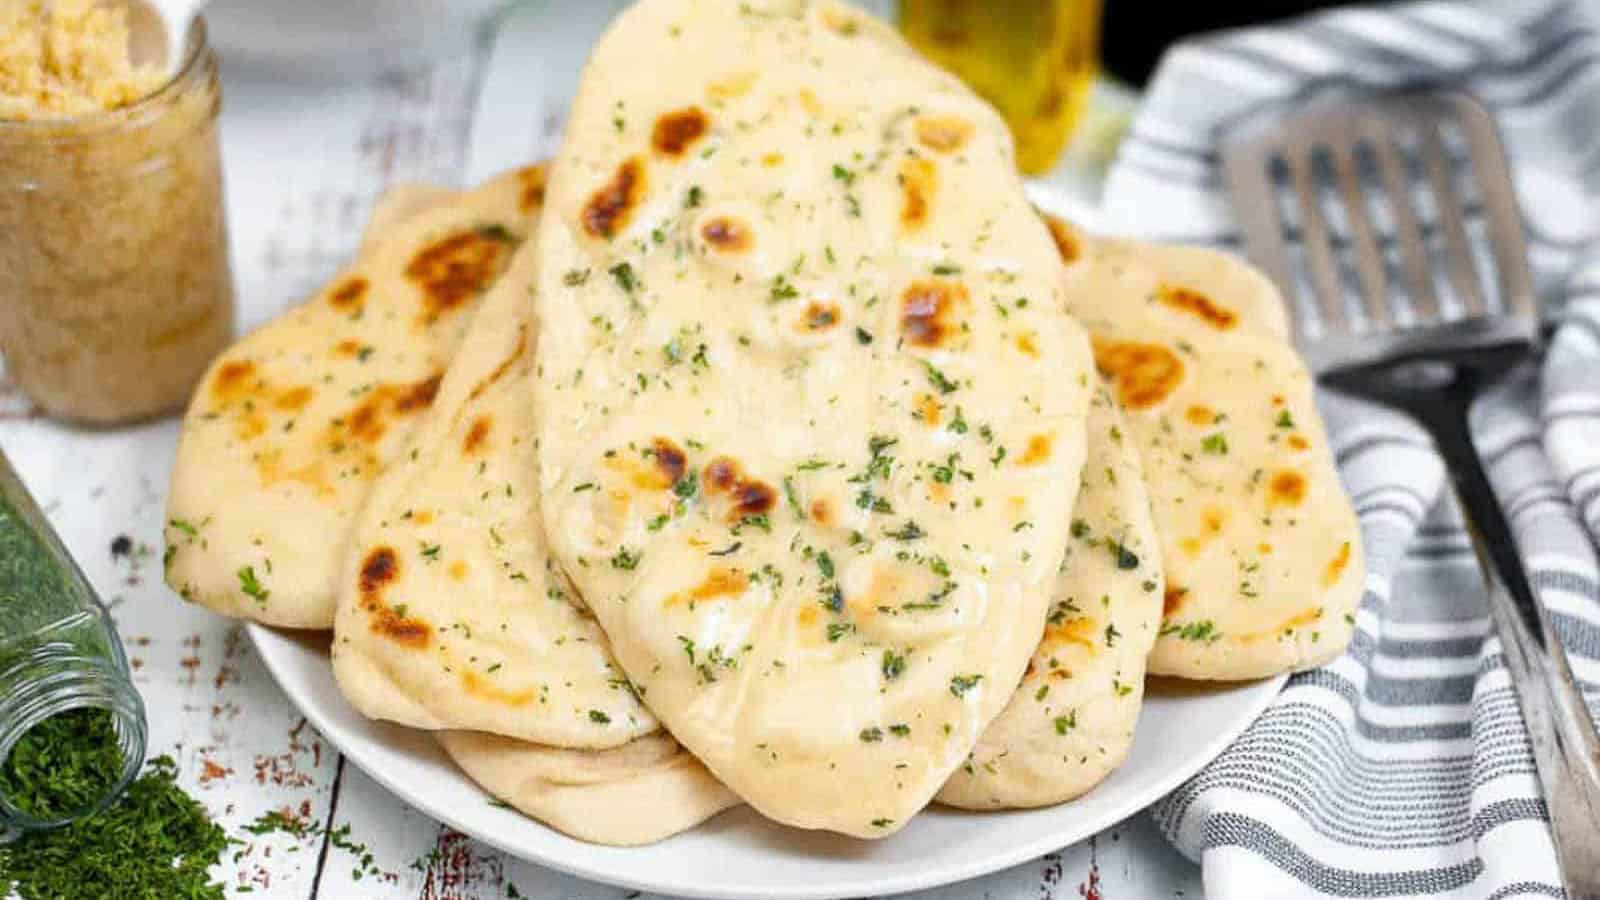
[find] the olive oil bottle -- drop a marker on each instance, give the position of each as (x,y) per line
(1035,60)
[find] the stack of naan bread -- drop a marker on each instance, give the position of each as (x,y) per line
(772,450)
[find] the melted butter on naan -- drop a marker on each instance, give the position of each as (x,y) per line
(829,301)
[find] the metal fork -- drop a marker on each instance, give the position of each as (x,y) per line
(1425,347)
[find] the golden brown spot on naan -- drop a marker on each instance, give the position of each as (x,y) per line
(722,474)
(1298,620)
(727,234)
(728,87)
(1264,548)
(676,131)
(1146,374)
(423,516)
(1172,600)
(938,491)
(477,435)
(1212,521)
(419,395)
(943,133)
(822,511)
(252,426)
(918,182)
(881,589)
(233,380)
(1286,488)
(1199,414)
(819,316)
(368,422)
(348,296)
(810,103)
(643,475)
(458,570)
(1297,442)
(505,364)
(313,476)
(670,461)
(612,205)
(1198,305)
(1277,399)
(1065,237)
(455,269)
(410,632)
(724,477)
(752,498)
(1336,566)
(348,347)
(807,616)
(928,311)
(771,160)
(1079,632)
(479,688)
(379,569)
(719,582)
(293,399)
(269,469)
(532,181)
(1026,344)
(928,409)
(1038,450)
(840,23)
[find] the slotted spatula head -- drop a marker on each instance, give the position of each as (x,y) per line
(1391,225)
(1392,228)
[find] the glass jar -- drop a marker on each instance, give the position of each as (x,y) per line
(115,284)
(1035,60)
(59,653)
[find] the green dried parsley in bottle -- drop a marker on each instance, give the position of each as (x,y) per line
(63,765)
(72,727)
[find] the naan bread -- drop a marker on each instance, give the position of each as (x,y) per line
(1261,546)
(812,420)
(1070,722)
(289,428)
(450,613)
(399,202)
(643,792)
(492,638)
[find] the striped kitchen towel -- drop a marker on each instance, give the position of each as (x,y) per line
(1402,769)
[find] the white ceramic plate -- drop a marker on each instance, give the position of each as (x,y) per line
(741,855)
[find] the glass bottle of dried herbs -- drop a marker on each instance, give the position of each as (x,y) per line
(72,727)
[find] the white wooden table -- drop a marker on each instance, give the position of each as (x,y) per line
(304,164)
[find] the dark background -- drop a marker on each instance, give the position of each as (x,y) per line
(1137,32)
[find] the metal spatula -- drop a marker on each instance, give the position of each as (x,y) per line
(1375,317)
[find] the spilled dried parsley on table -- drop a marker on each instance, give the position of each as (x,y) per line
(155,843)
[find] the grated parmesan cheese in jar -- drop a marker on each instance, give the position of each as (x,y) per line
(115,284)
(67,58)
